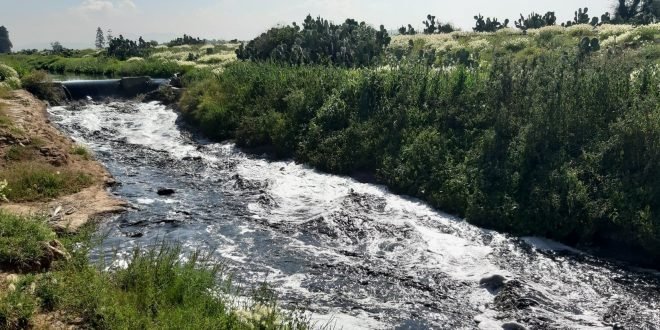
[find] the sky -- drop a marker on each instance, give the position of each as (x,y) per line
(37,23)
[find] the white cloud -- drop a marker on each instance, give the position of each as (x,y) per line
(126,4)
(87,7)
(95,5)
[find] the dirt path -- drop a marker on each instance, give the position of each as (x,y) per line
(31,123)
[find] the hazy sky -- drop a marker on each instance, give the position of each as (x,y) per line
(36,23)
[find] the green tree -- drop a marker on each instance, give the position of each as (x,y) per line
(636,11)
(488,25)
(318,41)
(57,47)
(100,39)
(5,43)
(536,21)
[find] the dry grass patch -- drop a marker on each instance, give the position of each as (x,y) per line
(32,181)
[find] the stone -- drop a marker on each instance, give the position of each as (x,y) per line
(513,326)
(493,283)
(166,192)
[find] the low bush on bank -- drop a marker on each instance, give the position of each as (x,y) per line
(157,290)
(557,145)
(22,240)
(9,78)
(81,151)
(41,85)
(33,181)
(17,306)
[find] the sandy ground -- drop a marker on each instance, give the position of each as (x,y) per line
(67,212)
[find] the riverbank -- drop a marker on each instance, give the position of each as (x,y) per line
(52,191)
(30,141)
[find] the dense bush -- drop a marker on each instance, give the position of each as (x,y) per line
(536,21)
(124,49)
(555,145)
(186,40)
(319,41)
(488,25)
(9,77)
(432,26)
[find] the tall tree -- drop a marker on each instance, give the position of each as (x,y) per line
(100,39)
(57,47)
(5,43)
(636,11)
(109,36)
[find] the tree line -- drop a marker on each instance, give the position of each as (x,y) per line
(636,12)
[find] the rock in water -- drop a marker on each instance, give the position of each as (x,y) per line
(513,326)
(493,283)
(166,192)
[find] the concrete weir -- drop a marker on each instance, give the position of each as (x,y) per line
(124,88)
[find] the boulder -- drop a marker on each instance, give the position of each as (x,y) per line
(493,283)
(166,191)
(513,326)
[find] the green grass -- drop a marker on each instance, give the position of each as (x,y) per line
(81,151)
(5,121)
(161,288)
(32,181)
(158,290)
(17,307)
(17,153)
(22,240)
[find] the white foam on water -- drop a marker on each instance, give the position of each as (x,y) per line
(145,201)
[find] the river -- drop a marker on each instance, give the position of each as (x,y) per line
(353,254)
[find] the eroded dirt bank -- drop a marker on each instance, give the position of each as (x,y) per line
(30,126)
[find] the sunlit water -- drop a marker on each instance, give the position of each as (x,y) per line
(353,254)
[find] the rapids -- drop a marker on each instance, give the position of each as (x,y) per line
(353,254)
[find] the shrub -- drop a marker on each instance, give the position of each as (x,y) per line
(81,151)
(22,240)
(16,309)
(608,30)
(41,85)
(19,153)
(9,77)
(516,44)
(580,30)
(7,72)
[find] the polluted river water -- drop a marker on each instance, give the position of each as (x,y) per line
(354,255)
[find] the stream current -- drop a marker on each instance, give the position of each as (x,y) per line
(355,255)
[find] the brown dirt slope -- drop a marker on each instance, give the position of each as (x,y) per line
(31,126)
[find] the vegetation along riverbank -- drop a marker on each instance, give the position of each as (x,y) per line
(551,131)
(51,190)
(548,129)
(544,129)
